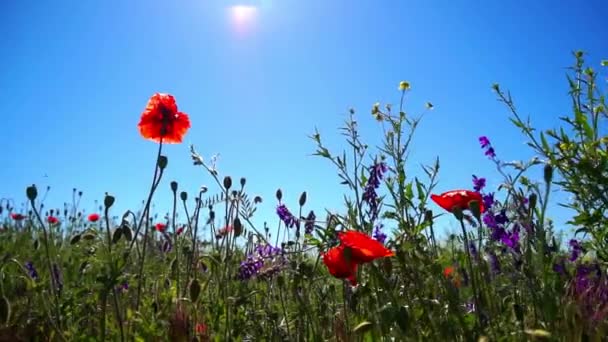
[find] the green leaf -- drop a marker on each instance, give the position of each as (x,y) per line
(409,192)
(363,327)
(544,142)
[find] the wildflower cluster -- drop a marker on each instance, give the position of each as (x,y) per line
(264,262)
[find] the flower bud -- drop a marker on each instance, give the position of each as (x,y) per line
(162,162)
(548,173)
(279,194)
(174,186)
(108,201)
(227,182)
(31,192)
(303,199)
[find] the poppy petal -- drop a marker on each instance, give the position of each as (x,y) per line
(364,248)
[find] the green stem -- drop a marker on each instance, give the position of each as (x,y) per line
(111,265)
(146,215)
(473,280)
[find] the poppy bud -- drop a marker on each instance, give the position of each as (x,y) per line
(195,289)
(227,182)
(108,201)
(183,195)
(548,173)
(475,209)
(162,162)
(75,239)
(31,192)
(238,227)
(532,201)
(257,199)
(279,194)
(243,181)
(428,216)
(117,235)
(303,199)
(174,186)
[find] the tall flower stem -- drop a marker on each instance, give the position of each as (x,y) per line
(473,278)
(49,264)
(114,293)
(175,237)
(157,173)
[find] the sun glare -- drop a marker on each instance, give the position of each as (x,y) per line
(243,16)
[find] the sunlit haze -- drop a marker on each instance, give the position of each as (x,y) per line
(243,17)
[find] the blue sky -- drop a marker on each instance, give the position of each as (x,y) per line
(76,76)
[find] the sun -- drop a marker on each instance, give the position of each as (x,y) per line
(243,16)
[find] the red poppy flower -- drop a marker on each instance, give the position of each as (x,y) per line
(338,265)
(458,198)
(52,220)
(364,248)
(448,273)
(160,227)
(161,119)
(17,217)
(223,232)
(180,230)
(201,328)
(93,217)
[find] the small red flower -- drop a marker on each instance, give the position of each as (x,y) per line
(364,248)
(17,217)
(338,265)
(201,328)
(161,119)
(93,217)
(180,230)
(449,274)
(52,220)
(458,198)
(448,271)
(223,232)
(160,227)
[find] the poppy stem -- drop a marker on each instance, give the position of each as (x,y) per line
(50,266)
(473,280)
(146,215)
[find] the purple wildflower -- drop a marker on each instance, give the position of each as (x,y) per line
(576,250)
(31,270)
(484,141)
(488,200)
(512,239)
(378,234)
(264,261)
(478,183)
(370,196)
(309,225)
(485,144)
(286,216)
(560,267)
(123,287)
(490,152)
